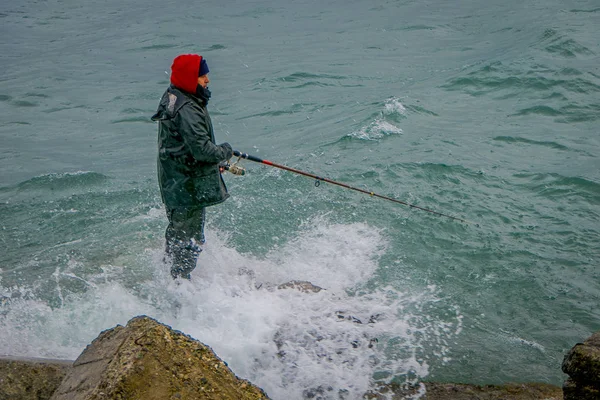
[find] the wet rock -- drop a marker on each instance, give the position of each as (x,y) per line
(457,391)
(513,391)
(303,286)
(150,361)
(31,378)
(582,364)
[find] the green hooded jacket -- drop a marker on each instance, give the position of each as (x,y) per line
(188,158)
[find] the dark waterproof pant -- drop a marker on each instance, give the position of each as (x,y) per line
(185,236)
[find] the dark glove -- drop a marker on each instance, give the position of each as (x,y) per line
(228,150)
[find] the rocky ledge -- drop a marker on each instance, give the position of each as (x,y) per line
(582,364)
(30,378)
(151,361)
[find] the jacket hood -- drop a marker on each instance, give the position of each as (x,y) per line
(184,72)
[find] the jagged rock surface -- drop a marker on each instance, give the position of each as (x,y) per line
(303,286)
(30,379)
(147,360)
(582,364)
(457,391)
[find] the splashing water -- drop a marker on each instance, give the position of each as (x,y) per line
(384,123)
(333,343)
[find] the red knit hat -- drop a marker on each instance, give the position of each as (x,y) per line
(184,72)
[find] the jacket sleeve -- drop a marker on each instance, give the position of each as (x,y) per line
(195,135)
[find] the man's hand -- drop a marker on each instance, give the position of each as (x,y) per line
(228,149)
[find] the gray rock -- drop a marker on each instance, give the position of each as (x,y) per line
(303,286)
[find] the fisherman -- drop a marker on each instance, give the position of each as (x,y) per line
(189,161)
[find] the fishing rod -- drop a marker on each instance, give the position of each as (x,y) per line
(237,170)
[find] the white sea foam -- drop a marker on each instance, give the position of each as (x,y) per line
(510,337)
(394,106)
(382,126)
(376,130)
(292,344)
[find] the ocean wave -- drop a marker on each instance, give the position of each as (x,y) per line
(305,79)
(376,130)
(511,139)
(302,76)
(559,44)
(394,106)
(496,78)
(437,172)
(142,118)
(155,47)
(312,83)
(305,108)
(562,93)
(384,123)
(63,107)
(419,28)
(216,47)
(420,110)
(24,103)
(554,185)
(510,337)
(58,181)
(566,114)
(592,10)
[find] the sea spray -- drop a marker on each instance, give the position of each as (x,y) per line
(339,341)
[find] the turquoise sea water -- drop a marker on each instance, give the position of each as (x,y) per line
(484,110)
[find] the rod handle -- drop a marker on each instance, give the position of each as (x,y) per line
(247,156)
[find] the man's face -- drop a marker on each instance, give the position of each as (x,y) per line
(203,81)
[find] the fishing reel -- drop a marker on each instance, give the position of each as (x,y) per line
(234,168)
